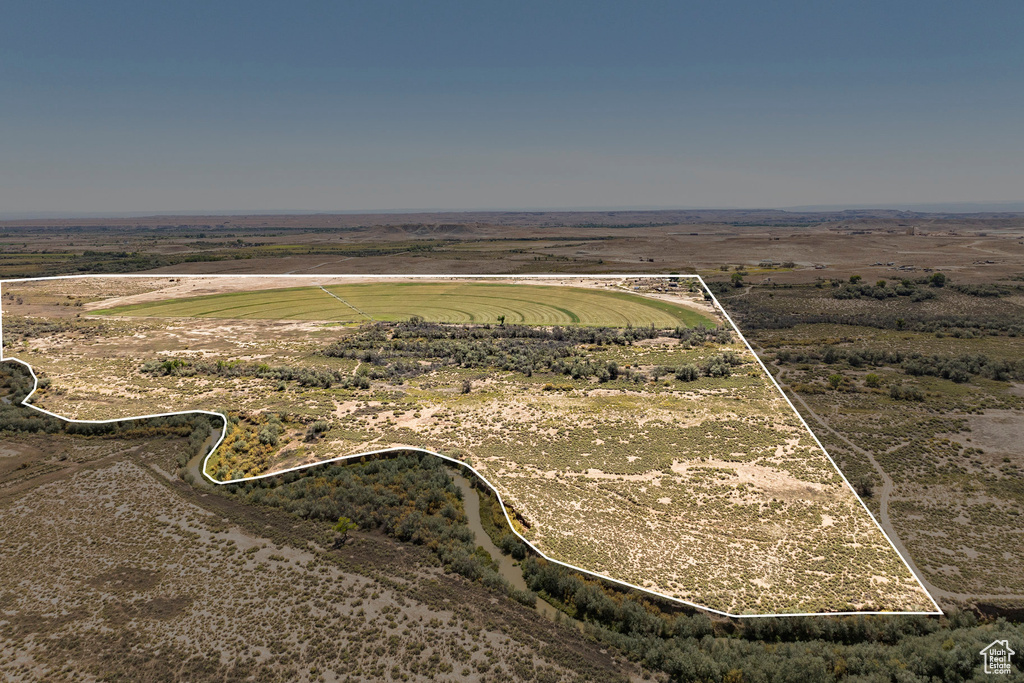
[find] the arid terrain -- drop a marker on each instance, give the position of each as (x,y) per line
(113,569)
(930,442)
(974,248)
(703,486)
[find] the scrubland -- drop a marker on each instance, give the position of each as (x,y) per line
(660,457)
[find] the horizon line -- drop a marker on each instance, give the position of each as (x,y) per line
(965,207)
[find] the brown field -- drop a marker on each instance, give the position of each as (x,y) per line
(149,578)
(981,248)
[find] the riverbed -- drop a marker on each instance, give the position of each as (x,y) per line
(507,567)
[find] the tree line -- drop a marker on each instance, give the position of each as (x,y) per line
(396,350)
(409,496)
(958,368)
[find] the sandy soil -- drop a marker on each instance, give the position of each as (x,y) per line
(201,286)
(998,432)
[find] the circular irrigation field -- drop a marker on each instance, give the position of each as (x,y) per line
(448,302)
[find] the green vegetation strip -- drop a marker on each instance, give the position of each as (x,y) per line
(455,302)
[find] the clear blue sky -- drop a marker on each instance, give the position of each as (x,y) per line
(388,104)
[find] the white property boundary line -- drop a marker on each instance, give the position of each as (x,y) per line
(35,385)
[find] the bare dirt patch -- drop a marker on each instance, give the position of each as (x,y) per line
(999,433)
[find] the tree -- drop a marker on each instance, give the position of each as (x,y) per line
(467,386)
(937,280)
(737,279)
(872,380)
(835,380)
(501,320)
(854,279)
(342,528)
(613,369)
(864,487)
(880,284)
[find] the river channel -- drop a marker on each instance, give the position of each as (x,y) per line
(507,566)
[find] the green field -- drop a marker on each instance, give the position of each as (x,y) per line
(448,302)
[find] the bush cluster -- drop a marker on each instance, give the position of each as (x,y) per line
(21,328)
(306,377)
(961,368)
(248,445)
(902,392)
(851,291)
(406,349)
(763,312)
(906,287)
(956,368)
(987,290)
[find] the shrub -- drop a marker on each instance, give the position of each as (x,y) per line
(687,373)
(901,392)
(269,436)
(511,545)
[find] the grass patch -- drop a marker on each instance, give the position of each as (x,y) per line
(456,302)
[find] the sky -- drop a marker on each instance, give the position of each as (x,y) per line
(355,105)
